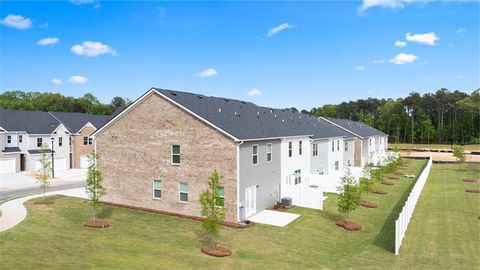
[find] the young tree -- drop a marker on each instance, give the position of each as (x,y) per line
(94,188)
(349,197)
(43,174)
(212,208)
(459,154)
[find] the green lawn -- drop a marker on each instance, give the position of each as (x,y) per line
(443,234)
(471,147)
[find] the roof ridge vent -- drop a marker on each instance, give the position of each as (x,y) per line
(226,100)
(200,97)
(258,112)
(283,120)
(219,110)
(173,94)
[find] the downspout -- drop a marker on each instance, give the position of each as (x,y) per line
(238,180)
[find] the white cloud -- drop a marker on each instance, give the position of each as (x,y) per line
(77,80)
(93,49)
(279,28)
(381,3)
(403,58)
(379,61)
(16,21)
(56,81)
(83,2)
(254,92)
(400,44)
(360,68)
(460,30)
(209,72)
(427,38)
(47,41)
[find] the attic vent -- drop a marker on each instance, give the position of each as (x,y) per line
(200,97)
(258,113)
(283,120)
(173,94)
(271,111)
(235,112)
(219,109)
(275,116)
(226,100)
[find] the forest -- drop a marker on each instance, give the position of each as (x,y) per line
(443,117)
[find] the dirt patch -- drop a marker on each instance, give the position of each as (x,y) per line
(217,252)
(368,204)
(470,180)
(398,173)
(349,225)
(43,202)
(460,170)
(97,224)
(473,190)
(379,192)
(393,178)
(387,183)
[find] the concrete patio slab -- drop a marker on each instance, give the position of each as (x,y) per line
(274,218)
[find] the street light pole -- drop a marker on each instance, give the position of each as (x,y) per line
(53,160)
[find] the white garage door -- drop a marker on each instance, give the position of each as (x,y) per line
(60,164)
(7,166)
(84,162)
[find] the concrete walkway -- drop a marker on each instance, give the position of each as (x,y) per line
(274,218)
(14,212)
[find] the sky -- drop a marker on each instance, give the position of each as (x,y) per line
(276,54)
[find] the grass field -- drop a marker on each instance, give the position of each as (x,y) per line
(471,147)
(443,234)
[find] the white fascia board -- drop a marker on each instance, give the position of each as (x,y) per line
(88,124)
(278,138)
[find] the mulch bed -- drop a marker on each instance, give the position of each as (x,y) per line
(43,202)
(470,180)
(387,183)
(368,204)
(472,190)
(280,208)
(379,192)
(96,224)
(217,252)
(349,225)
(393,178)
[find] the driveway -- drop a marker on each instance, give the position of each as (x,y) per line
(24,183)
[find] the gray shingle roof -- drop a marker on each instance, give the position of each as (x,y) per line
(358,128)
(11,150)
(39,151)
(75,121)
(32,122)
(245,120)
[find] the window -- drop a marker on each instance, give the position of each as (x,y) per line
(370,141)
(183,188)
(338,145)
(346,146)
(157,189)
(9,139)
(315,149)
(220,198)
(336,166)
(69,140)
(269,152)
(255,154)
(90,141)
(60,141)
(39,142)
(333,146)
(290,146)
(300,148)
(85,140)
(298,177)
(175,154)
(20,138)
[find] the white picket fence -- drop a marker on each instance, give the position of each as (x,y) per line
(401,223)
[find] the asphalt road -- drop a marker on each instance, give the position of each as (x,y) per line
(10,194)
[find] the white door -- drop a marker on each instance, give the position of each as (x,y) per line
(83,162)
(250,201)
(7,166)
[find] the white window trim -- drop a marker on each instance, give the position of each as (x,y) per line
(290,149)
(271,152)
(179,192)
(171,155)
(41,142)
(153,189)
(253,146)
(9,138)
(20,138)
(315,149)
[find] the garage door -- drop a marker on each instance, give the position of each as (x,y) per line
(84,162)
(7,166)
(60,164)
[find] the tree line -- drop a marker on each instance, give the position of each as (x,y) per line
(55,102)
(444,117)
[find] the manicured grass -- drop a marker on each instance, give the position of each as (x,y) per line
(443,234)
(471,147)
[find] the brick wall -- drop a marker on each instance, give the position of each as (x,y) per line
(79,149)
(136,149)
(358,152)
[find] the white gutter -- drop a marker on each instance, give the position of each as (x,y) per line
(238,180)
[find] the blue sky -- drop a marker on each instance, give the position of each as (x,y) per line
(277,54)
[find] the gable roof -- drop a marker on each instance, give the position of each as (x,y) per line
(76,121)
(243,120)
(32,122)
(356,128)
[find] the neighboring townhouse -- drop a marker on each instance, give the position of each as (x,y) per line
(159,152)
(370,144)
(24,132)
